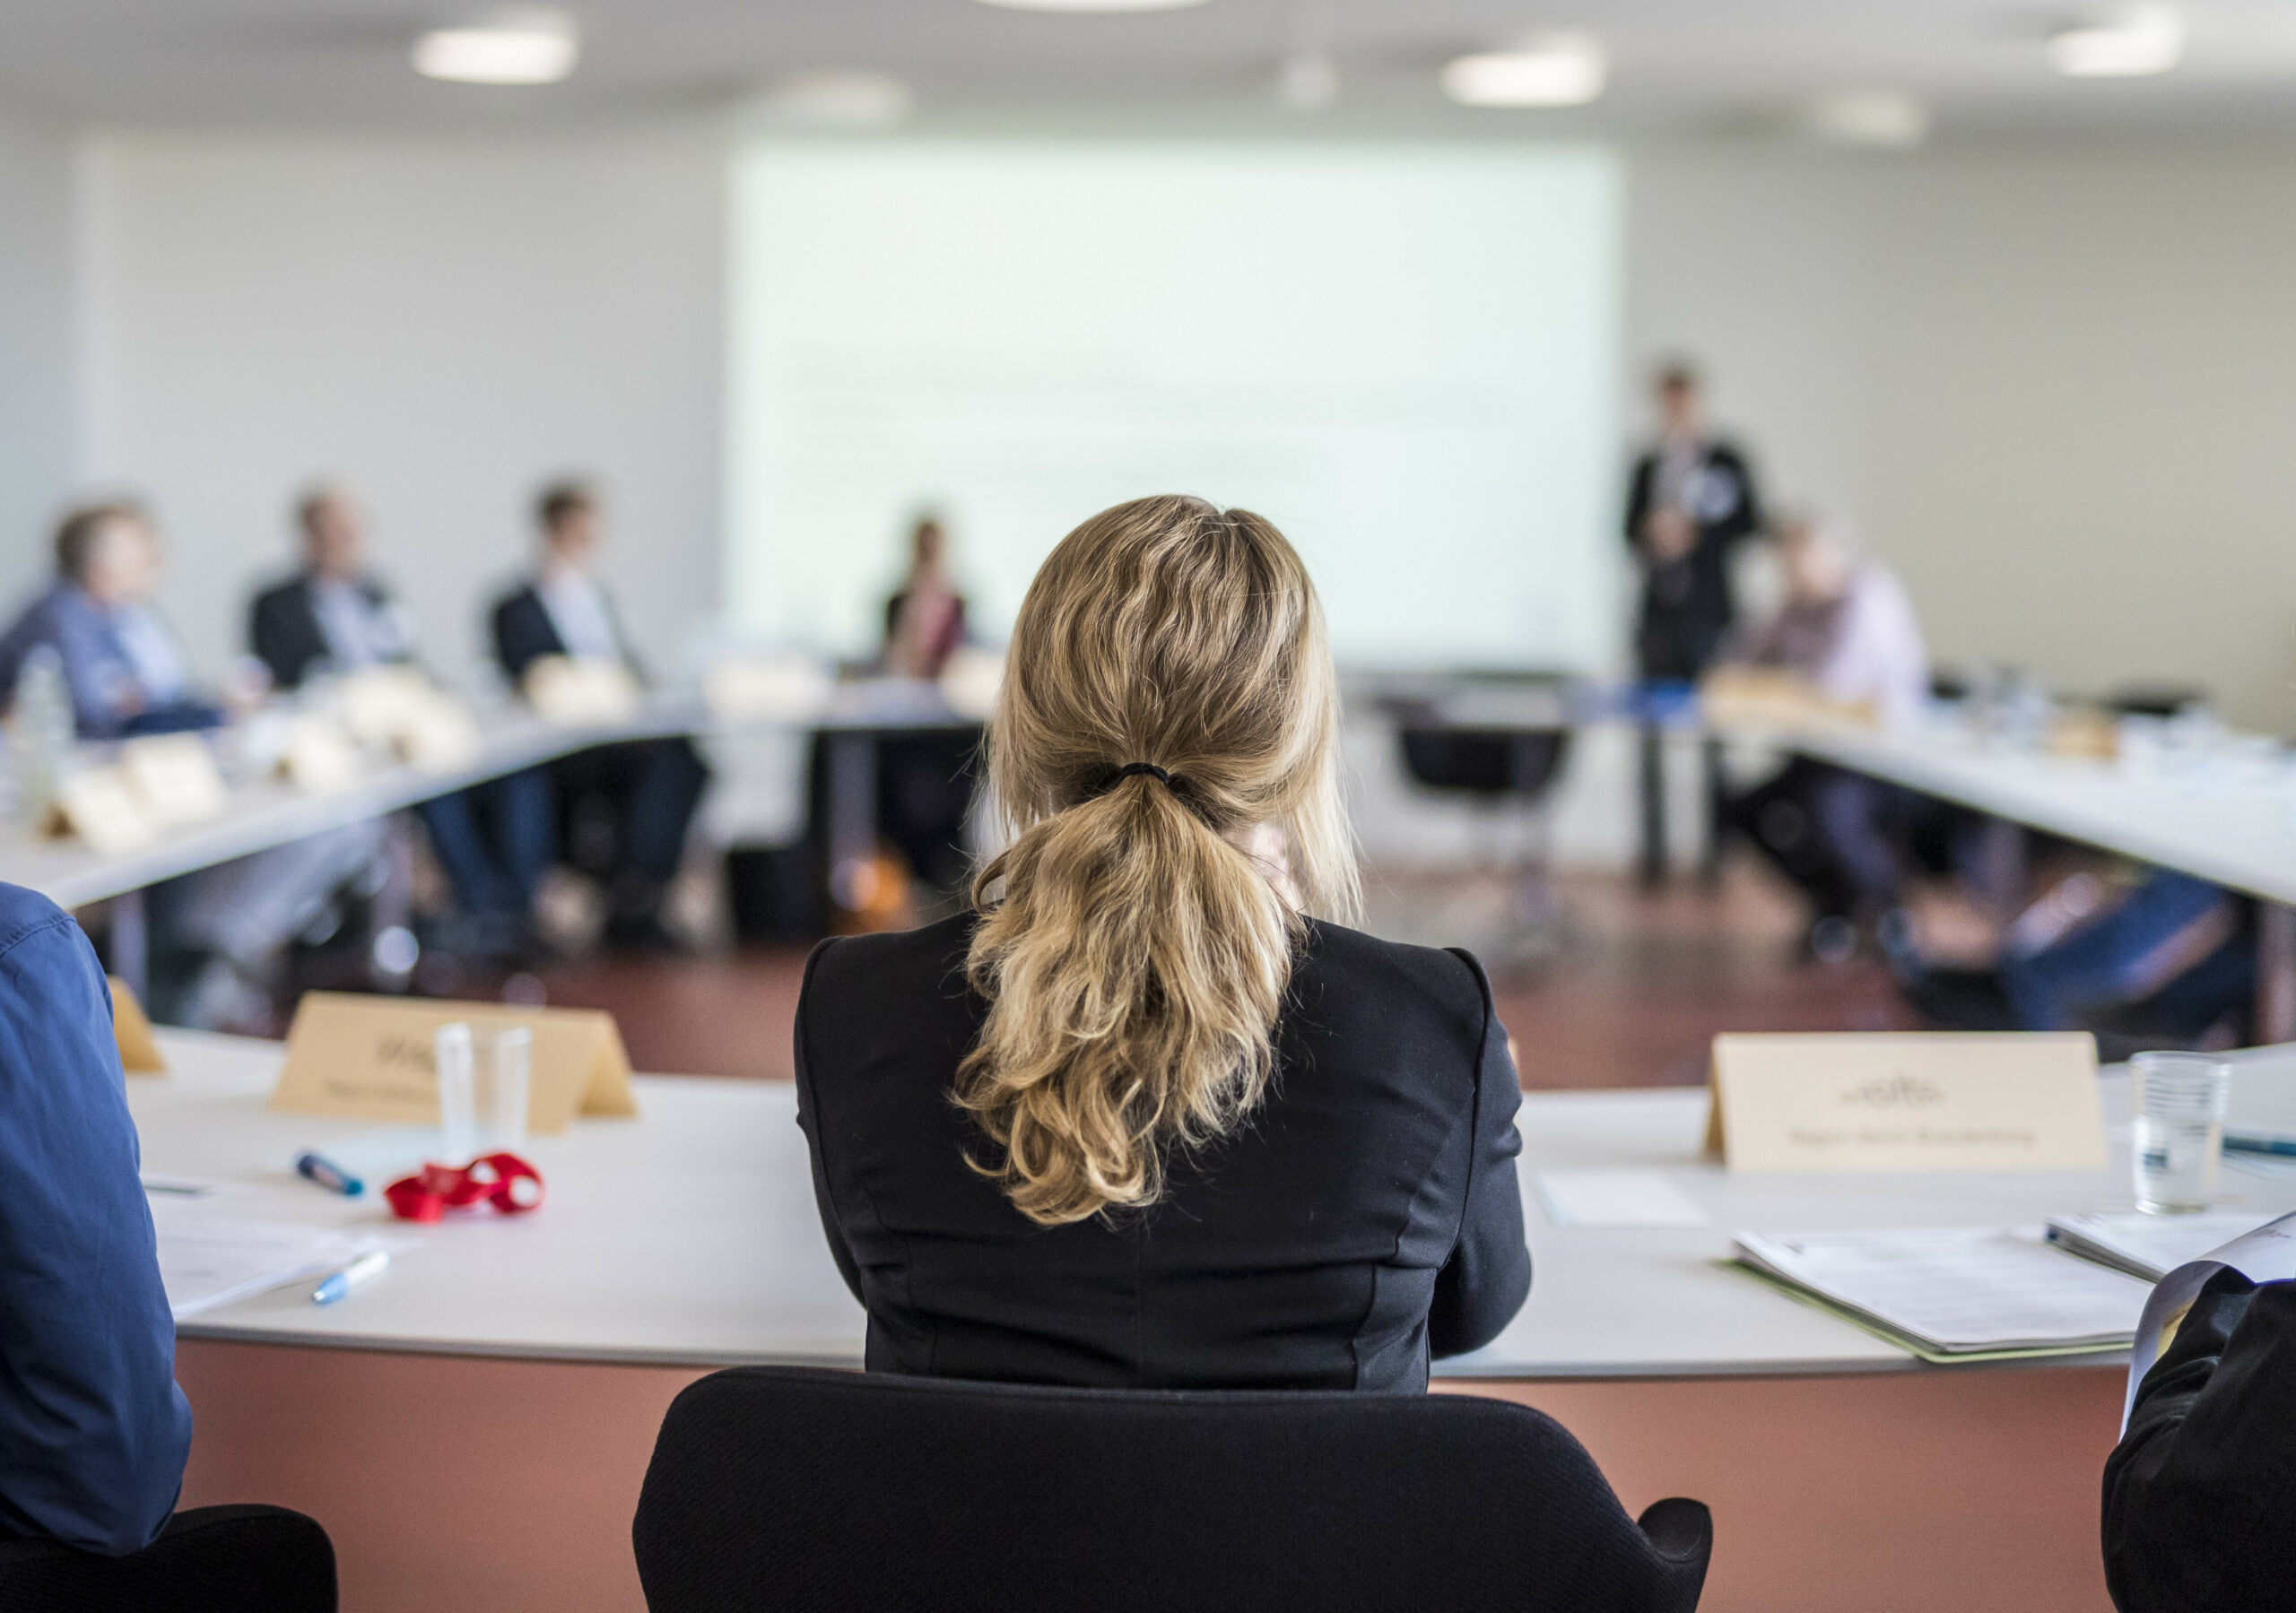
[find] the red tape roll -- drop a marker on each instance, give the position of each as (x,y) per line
(505,1180)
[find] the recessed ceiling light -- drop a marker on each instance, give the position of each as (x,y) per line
(512,48)
(1559,70)
(2124,44)
(1889,119)
(1091,6)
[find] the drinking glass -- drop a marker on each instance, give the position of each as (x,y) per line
(2178,1100)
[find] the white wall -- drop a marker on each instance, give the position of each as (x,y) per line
(442,325)
(36,380)
(2057,391)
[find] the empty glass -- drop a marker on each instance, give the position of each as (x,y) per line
(2178,1101)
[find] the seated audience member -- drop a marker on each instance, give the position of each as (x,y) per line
(93,1431)
(1847,629)
(2199,1496)
(122,666)
(652,787)
(218,935)
(1183,1130)
(924,780)
(333,616)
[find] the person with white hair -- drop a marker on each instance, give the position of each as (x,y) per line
(1849,631)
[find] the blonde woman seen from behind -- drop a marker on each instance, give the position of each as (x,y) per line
(1150,1115)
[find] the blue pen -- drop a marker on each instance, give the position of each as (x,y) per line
(2260,1143)
(319,1168)
(358,1270)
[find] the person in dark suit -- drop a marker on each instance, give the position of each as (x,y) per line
(1691,502)
(93,1431)
(333,616)
(2200,1495)
(648,789)
(1139,1119)
(926,780)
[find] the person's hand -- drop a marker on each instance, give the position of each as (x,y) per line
(1667,535)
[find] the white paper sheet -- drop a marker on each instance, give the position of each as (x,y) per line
(208,1260)
(1960,1290)
(1616,1199)
(2149,1246)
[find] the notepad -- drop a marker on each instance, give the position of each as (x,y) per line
(1947,1293)
(1618,1199)
(208,1260)
(2149,1247)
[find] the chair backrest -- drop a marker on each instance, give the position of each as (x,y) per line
(210,1559)
(1520,762)
(783,1490)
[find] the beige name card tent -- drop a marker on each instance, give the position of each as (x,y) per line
(131,1028)
(1929,1101)
(370,1058)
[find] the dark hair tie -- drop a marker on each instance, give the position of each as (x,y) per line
(1111,777)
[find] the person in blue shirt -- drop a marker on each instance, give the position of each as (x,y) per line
(93,1431)
(126,672)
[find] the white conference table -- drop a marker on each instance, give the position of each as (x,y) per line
(2225,814)
(688,1239)
(261,814)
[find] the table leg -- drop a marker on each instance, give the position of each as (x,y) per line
(852,818)
(1654,804)
(131,943)
(1717,783)
(2276,971)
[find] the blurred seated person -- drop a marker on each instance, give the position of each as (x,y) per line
(2141,956)
(924,779)
(333,616)
(630,805)
(93,1429)
(122,664)
(1849,632)
(220,934)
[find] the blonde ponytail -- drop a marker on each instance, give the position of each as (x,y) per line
(1169,692)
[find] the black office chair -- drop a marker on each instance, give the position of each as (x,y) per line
(1508,768)
(784,1490)
(210,1559)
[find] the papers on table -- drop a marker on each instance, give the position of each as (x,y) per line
(2149,1247)
(1596,1199)
(208,1260)
(1955,1292)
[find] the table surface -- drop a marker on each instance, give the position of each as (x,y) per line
(268,813)
(690,1235)
(2228,816)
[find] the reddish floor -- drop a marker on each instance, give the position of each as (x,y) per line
(1628,994)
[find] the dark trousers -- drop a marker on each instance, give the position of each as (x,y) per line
(1828,831)
(622,809)
(494,840)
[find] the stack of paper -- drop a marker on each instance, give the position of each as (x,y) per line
(1954,1293)
(208,1260)
(2149,1247)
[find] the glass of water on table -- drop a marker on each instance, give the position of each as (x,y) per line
(2178,1102)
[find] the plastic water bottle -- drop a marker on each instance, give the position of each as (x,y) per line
(40,734)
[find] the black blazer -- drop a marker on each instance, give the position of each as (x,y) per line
(284,629)
(2200,1496)
(524,634)
(1688,604)
(1365,1218)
